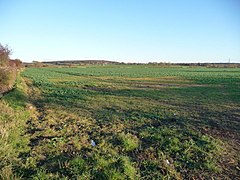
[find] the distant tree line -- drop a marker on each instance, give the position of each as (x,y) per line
(76,63)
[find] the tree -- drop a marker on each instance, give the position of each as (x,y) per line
(18,63)
(5,51)
(37,64)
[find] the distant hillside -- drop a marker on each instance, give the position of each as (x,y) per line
(73,63)
(80,62)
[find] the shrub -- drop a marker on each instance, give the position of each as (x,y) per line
(7,79)
(5,51)
(8,69)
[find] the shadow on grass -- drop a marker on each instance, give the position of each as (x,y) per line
(156,128)
(16,99)
(184,98)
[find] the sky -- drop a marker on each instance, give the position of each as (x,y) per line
(122,30)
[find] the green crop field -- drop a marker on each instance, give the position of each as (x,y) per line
(131,122)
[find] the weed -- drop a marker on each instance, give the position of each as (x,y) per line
(128,141)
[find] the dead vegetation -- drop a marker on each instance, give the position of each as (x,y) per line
(8,69)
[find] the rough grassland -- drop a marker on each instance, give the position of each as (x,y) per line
(7,78)
(13,137)
(132,122)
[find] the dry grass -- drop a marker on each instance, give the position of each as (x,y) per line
(7,78)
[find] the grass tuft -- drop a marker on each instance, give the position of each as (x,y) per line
(128,141)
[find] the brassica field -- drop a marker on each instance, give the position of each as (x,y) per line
(132,122)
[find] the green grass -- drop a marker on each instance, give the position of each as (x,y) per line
(147,122)
(13,138)
(128,141)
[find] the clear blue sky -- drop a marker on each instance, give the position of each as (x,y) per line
(122,30)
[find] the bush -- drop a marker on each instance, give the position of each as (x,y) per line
(5,51)
(7,79)
(8,69)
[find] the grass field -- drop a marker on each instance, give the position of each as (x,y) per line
(132,122)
